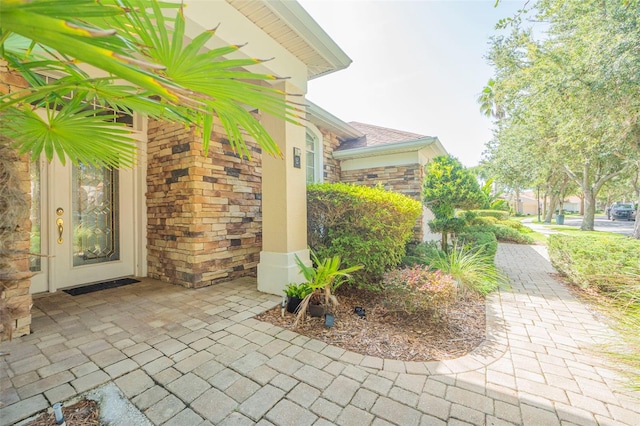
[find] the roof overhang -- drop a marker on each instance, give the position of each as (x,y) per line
(289,24)
(392,148)
(324,119)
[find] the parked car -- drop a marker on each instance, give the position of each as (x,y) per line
(621,211)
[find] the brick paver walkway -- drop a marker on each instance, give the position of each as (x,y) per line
(196,357)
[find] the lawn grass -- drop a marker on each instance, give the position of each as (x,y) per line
(575,230)
(539,238)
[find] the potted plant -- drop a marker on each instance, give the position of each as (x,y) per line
(315,308)
(295,294)
(323,278)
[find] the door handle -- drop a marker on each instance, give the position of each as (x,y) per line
(60,224)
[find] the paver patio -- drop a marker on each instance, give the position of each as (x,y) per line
(190,357)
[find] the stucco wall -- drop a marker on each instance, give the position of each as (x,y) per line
(204,219)
(15,277)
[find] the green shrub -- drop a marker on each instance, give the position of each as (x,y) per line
(509,235)
(419,254)
(484,220)
(498,214)
(299,291)
(611,267)
(515,224)
(472,270)
(417,289)
(364,226)
(478,240)
(503,233)
(593,260)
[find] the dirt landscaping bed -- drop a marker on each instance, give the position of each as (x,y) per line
(400,336)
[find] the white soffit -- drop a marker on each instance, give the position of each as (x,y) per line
(392,148)
(290,25)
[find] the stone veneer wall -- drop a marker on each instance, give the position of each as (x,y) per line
(330,142)
(406,180)
(15,277)
(204,217)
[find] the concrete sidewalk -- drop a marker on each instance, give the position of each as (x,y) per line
(197,357)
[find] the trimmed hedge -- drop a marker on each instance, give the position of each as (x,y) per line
(364,226)
(515,224)
(593,261)
(484,220)
(503,233)
(498,214)
(507,234)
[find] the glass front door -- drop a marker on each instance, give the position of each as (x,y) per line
(95,215)
(82,224)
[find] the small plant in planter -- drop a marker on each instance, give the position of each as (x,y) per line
(316,308)
(295,294)
(323,279)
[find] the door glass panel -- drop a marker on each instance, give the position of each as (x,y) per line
(95,215)
(35,261)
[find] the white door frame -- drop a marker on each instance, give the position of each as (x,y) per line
(46,279)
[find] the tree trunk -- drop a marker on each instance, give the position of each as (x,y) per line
(444,242)
(636,228)
(590,191)
(15,277)
(589,210)
(553,201)
(636,188)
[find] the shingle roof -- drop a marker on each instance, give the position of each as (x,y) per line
(376,135)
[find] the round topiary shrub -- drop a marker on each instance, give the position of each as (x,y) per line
(364,226)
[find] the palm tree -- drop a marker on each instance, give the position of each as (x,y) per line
(158,74)
(487,100)
(145,67)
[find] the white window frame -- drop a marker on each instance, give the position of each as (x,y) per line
(318,167)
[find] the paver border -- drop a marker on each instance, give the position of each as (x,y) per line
(486,353)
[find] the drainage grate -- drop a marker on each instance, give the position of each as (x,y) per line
(100,286)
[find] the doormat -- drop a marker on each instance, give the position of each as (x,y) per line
(100,286)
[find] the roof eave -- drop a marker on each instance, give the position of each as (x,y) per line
(324,119)
(292,13)
(394,148)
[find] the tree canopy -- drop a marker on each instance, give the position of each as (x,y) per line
(568,97)
(448,186)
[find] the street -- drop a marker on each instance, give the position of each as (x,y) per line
(601,223)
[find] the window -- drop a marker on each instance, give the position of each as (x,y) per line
(313,157)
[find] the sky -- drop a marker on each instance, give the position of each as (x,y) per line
(418,66)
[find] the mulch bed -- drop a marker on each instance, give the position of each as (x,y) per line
(400,336)
(82,413)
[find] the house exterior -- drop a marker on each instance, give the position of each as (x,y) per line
(195,219)
(365,154)
(529,204)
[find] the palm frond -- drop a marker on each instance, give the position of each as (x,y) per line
(164,75)
(71,132)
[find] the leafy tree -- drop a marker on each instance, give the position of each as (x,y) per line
(448,186)
(572,95)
